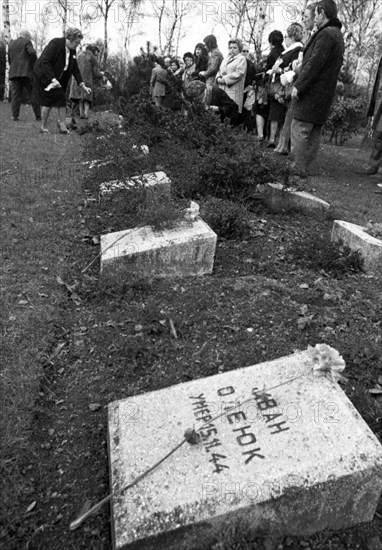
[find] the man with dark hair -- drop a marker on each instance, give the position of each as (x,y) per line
(375,111)
(315,87)
(215,57)
(22,57)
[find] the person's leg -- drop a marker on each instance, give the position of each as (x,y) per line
(312,151)
(273,132)
(32,95)
(17,90)
(283,145)
(44,118)
(375,159)
(62,119)
(86,108)
(81,108)
(300,135)
(260,126)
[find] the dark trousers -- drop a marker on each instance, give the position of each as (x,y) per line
(18,85)
(375,159)
(305,143)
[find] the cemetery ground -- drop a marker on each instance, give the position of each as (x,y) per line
(73,343)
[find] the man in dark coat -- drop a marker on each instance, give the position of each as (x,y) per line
(375,111)
(22,57)
(315,86)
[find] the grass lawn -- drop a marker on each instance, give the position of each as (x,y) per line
(72,343)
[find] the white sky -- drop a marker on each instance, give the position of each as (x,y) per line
(30,14)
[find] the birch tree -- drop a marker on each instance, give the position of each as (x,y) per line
(361,21)
(7,38)
(170,16)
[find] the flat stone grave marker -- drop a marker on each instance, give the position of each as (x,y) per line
(277,198)
(356,238)
(188,249)
(290,455)
(154,181)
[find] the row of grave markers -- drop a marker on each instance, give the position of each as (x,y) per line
(278,448)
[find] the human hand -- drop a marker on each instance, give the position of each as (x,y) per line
(294,94)
(86,89)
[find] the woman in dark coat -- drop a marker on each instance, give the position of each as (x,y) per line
(294,46)
(201,59)
(275,39)
(52,71)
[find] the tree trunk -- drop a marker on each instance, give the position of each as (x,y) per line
(105,37)
(7,38)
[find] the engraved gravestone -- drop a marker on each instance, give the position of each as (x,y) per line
(188,249)
(279,449)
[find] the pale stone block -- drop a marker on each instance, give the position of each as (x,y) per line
(278,198)
(188,249)
(356,238)
(296,458)
(156,180)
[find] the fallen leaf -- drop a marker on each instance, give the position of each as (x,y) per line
(30,507)
(94,407)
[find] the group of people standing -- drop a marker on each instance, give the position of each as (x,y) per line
(289,94)
(46,79)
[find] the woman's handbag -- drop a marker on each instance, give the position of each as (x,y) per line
(274,89)
(261,95)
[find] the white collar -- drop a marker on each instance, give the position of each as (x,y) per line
(292,47)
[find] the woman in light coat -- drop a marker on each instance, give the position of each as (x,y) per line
(231,75)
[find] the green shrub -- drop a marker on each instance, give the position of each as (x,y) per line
(317,252)
(228,219)
(345,119)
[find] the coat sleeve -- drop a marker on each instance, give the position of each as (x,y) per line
(47,58)
(214,65)
(240,69)
(76,71)
(95,68)
(31,53)
(322,50)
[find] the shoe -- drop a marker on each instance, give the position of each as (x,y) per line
(370,171)
(44,131)
(285,153)
(62,129)
(38,118)
(271,145)
(15,118)
(73,123)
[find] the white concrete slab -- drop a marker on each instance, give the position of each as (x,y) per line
(296,458)
(278,198)
(185,250)
(153,180)
(356,238)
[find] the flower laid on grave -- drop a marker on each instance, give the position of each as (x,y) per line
(326,362)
